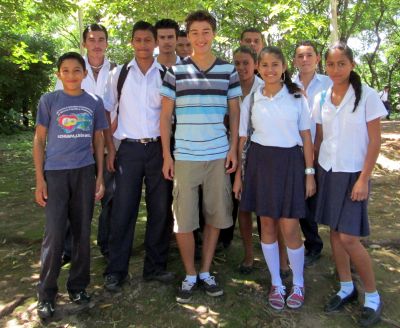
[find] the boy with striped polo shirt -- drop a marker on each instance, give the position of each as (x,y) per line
(200,89)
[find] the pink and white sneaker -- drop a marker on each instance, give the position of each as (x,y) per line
(276,297)
(295,299)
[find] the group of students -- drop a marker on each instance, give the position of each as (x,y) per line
(169,118)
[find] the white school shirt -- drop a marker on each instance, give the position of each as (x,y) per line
(140,102)
(345,134)
(89,84)
(384,95)
(277,120)
(318,83)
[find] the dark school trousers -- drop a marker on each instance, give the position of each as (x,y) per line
(137,162)
(312,242)
(103,229)
(70,198)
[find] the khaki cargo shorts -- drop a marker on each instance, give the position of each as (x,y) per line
(217,195)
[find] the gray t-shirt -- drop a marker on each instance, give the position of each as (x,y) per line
(71,122)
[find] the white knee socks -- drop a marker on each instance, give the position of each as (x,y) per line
(271,255)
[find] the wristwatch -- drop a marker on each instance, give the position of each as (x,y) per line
(309,171)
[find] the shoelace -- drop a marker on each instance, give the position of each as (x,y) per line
(210,280)
(186,285)
(281,290)
(297,290)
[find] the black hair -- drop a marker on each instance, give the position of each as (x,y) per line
(306,43)
(354,78)
(201,16)
(246,50)
(167,23)
(293,88)
(71,55)
(94,27)
(182,33)
(144,26)
(251,30)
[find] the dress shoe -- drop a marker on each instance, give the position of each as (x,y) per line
(369,316)
(161,276)
(336,302)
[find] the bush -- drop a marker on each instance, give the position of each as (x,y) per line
(26,64)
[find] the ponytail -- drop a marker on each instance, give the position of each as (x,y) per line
(293,88)
(355,81)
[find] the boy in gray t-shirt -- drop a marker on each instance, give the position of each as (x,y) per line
(68,134)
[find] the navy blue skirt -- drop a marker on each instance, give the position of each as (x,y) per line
(335,207)
(274,182)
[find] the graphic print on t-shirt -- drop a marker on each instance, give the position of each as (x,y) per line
(75,119)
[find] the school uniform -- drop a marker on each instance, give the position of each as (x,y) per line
(274,176)
(139,159)
(341,158)
(313,242)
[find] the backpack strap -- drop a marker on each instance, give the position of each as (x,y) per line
(322,100)
(121,80)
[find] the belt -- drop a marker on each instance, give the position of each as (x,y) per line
(142,141)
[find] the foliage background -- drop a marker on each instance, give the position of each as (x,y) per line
(34,33)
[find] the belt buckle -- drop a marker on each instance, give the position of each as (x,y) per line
(145,140)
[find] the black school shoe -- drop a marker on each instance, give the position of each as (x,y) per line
(369,316)
(79,297)
(112,282)
(336,302)
(45,309)
(161,276)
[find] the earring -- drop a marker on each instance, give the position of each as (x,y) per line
(284,77)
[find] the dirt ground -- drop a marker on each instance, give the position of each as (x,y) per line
(151,304)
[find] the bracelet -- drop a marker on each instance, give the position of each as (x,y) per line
(309,171)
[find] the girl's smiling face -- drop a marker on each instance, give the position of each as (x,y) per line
(271,68)
(245,65)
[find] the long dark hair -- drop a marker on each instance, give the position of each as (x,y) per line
(293,88)
(354,78)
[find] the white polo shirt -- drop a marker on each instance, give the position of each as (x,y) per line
(140,102)
(89,84)
(277,120)
(345,134)
(318,83)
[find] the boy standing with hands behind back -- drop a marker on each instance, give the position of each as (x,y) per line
(68,137)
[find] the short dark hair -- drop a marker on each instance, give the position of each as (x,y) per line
(94,27)
(201,16)
(143,26)
(182,33)
(167,23)
(306,43)
(71,55)
(246,50)
(251,30)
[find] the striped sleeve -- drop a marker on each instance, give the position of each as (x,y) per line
(234,89)
(168,88)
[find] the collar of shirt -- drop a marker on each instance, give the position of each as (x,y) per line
(155,65)
(300,84)
(284,92)
(347,97)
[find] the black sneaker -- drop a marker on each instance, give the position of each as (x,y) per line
(45,309)
(185,292)
(79,297)
(112,283)
(211,287)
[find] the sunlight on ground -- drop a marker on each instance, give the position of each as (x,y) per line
(203,314)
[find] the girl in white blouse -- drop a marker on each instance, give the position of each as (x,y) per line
(275,186)
(348,143)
